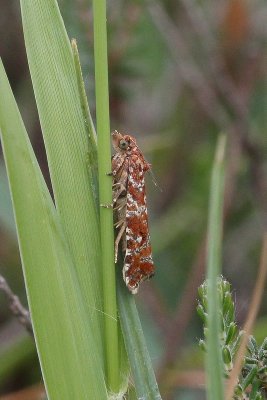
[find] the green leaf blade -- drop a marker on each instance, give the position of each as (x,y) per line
(69,358)
(67,144)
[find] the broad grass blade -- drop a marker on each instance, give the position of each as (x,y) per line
(67,145)
(69,358)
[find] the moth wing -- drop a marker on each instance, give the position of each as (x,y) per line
(138,264)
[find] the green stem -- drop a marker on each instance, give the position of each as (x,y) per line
(105,195)
(214,356)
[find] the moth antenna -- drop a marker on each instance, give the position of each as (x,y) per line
(154,180)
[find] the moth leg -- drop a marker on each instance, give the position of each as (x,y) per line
(117,165)
(118,238)
(117,192)
(116,195)
(107,205)
(114,199)
(119,223)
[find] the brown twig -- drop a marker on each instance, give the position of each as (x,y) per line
(15,305)
(252,314)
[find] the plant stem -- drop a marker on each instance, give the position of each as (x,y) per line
(214,356)
(105,195)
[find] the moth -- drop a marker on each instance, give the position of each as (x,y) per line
(129,203)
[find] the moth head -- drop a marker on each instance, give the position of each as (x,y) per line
(124,144)
(121,143)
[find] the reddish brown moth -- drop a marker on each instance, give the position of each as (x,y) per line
(130,209)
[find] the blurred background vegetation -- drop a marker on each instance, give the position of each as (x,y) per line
(180,73)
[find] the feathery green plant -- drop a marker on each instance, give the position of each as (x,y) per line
(253,377)
(229,335)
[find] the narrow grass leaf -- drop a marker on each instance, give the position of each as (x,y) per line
(89,125)
(83,99)
(214,354)
(68,355)
(67,144)
(145,383)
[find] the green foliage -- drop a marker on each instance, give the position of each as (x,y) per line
(176,70)
(64,336)
(253,378)
(60,249)
(229,335)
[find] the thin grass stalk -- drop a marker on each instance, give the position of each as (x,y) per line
(214,355)
(105,195)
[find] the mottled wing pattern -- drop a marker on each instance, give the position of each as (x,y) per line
(138,264)
(129,198)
